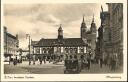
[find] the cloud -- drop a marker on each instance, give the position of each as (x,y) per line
(43,20)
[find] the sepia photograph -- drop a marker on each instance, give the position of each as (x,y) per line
(64,39)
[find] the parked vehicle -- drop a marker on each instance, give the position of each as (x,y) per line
(72,65)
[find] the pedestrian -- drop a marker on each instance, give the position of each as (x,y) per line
(101,62)
(44,58)
(82,59)
(105,61)
(89,60)
(40,59)
(85,62)
(14,62)
(113,63)
(70,62)
(9,60)
(66,62)
(34,59)
(75,62)
(48,58)
(79,64)
(108,61)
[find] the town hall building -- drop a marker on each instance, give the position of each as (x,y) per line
(61,45)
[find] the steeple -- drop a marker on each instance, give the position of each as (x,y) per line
(60,28)
(83,29)
(83,19)
(93,19)
(93,25)
(60,32)
(83,25)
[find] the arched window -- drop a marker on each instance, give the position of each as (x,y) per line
(75,50)
(66,50)
(71,50)
(45,51)
(37,50)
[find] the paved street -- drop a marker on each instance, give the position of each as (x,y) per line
(24,68)
(50,68)
(95,68)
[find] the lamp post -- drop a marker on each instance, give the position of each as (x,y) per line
(28,36)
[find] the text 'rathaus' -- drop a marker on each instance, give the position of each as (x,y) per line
(60,46)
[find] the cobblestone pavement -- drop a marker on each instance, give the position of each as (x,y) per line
(50,68)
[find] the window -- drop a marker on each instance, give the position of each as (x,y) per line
(66,50)
(75,50)
(37,50)
(71,50)
(45,51)
(81,50)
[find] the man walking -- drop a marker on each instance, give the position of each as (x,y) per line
(44,58)
(101,62)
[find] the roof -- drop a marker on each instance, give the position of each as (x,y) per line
(63,42)
(73,42)
(10,35)
(34,42)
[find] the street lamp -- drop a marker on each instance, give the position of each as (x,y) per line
(28,36)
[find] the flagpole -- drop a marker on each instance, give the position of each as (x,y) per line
(28,35)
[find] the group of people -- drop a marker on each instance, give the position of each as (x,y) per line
(109,61)
(49,58)
(15,60)
(78,63)
(112,62)
(74,61)
(85,62)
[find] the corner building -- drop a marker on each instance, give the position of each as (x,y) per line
(11,45)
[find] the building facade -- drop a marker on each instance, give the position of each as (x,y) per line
(110,38)
(11,45)
(61,45)
(116,25)
(89,36)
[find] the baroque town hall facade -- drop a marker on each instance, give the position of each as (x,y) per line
(61,46)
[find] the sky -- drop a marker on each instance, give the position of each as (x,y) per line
(43,20)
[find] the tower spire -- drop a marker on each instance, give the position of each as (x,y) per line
(93,19)
(83,18)
(60,33)
(60,25)
(60,28)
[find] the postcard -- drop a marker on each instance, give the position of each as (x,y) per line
(68,40)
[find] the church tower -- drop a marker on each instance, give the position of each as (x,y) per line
(60,33)
(93,26)
(83,29)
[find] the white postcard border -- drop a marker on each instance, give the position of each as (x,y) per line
(68,77)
